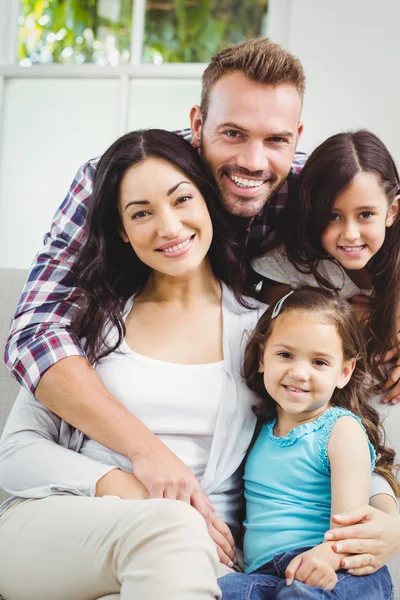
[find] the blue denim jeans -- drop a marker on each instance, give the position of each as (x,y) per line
(269,583)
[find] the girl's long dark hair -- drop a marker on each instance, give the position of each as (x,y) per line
(328,172)
(355,396)
(108,271)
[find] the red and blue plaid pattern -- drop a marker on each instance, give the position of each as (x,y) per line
(40,333)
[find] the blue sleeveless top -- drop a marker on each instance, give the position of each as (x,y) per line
(288,488)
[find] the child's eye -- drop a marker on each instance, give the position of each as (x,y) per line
(284,355)
(366,214)
(140,215)
(320,363)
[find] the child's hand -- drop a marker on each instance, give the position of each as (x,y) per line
(315,567)
(223,539)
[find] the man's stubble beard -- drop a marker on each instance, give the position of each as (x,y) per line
(239,206)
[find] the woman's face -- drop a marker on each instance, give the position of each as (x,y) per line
(164,218)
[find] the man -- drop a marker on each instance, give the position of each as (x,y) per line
(247,129)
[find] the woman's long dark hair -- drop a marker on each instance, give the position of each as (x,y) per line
(328,172)
(108,271)
(355,396)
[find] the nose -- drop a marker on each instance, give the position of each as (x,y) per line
(298,372)
(351,231)
(253,157)
(169,225)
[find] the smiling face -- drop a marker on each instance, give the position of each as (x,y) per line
(360,216)
(248,139)
(303,363)
(164,217)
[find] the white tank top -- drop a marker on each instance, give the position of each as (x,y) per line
(178,403)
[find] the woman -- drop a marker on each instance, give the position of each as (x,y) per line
(163,319)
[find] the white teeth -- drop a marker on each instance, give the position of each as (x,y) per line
(177,247)
(294,389)
(353,248)
(246,182)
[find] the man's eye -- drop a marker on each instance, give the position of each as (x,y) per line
(140,215)
(232,134)
(278,140)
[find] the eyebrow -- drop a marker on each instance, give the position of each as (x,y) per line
(146,202)
(283,133)
(291,348)
(366,207)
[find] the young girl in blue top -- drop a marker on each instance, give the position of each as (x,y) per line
(317,442)
(342,232)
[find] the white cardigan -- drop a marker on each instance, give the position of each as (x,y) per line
(33,466)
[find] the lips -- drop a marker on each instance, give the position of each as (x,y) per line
(295,389)
(176,245)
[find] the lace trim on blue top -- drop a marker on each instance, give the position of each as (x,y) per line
(326,421)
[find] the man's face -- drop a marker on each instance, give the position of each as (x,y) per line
(248,139)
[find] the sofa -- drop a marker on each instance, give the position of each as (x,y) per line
(11,283)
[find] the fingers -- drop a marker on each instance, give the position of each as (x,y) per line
(359,562)
(225,550)
(199,501)
(362,571)
(292,569)
(355,516)
(392,386)
(223,529)
(224,558)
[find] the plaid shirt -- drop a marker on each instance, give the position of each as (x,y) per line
(40,333)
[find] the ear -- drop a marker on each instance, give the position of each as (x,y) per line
(196,123)
(261,360)
(123,235)
(347,372)
(299,131)
(393,212)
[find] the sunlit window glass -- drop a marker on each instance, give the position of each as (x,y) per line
(192,30)
(74,31)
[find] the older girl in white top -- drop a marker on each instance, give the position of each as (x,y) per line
(342,232)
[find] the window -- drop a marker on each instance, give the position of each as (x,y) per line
(100,31)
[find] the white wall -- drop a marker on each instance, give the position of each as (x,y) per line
(351,55)
(50,125)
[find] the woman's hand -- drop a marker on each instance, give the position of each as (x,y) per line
(223,539)
(372,536)
(392,385)
(164,475)
(316,567)
(122,484)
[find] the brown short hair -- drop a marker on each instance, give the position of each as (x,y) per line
(260,60)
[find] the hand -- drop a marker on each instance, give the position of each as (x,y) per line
(223,539)
(166,476)
(392,385)
(122,484)
(367,533)
(314,567)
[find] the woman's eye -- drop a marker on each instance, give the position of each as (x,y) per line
(366,214)
(183,199)
(140,215)
(335,217)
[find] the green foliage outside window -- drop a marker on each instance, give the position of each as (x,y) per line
(98,31)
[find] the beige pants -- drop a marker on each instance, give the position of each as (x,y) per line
(74,548)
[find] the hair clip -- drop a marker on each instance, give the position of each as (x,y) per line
(278,305)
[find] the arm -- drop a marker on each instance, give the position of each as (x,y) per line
(350,465)
(45,356)
(33,464)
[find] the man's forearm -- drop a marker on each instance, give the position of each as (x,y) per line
(74,391)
